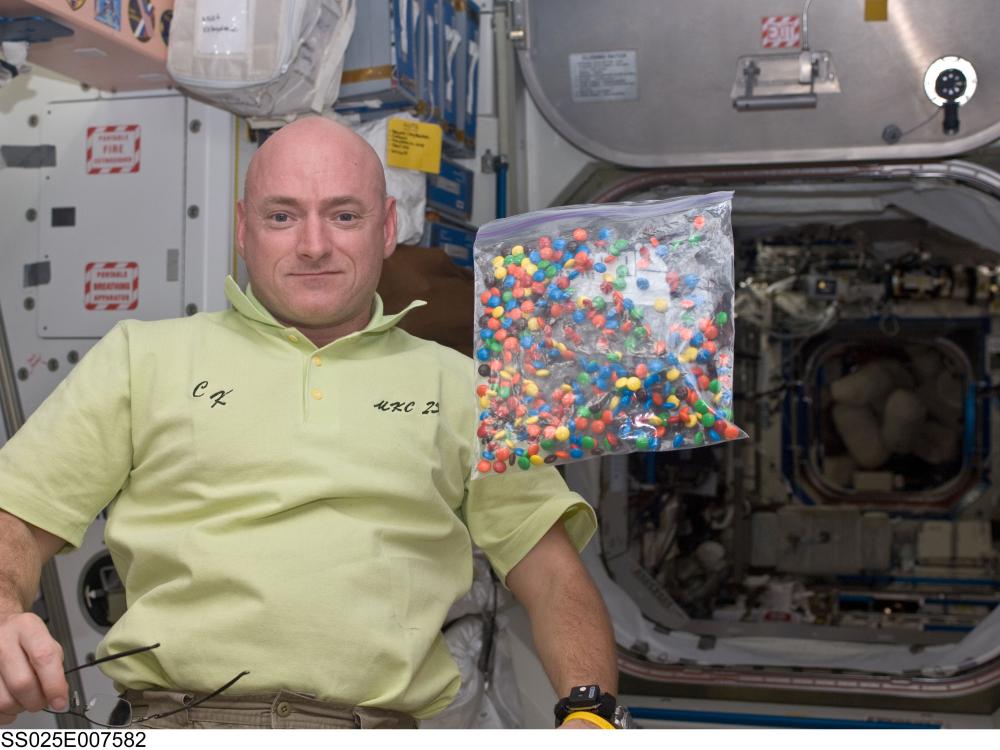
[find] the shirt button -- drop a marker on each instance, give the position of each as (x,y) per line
(293,338)
(317,394)
(317,361)
(282,709)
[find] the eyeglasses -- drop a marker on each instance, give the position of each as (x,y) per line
(113,712)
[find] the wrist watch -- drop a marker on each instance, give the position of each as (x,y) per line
(590,699)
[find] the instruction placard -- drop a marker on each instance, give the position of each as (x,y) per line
(113,285)
(604,76)
(113,149)
(413,145)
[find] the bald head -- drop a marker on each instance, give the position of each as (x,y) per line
(315,139)
(314,226)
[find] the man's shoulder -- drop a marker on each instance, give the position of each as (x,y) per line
(180,327)
(447,358)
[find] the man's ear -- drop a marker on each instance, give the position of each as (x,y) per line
(241,226)
(389,227)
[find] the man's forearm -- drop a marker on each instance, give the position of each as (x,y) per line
(20,565)
(573,633)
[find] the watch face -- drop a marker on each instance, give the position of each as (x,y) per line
(584,696)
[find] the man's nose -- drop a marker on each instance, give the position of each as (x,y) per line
(314,241)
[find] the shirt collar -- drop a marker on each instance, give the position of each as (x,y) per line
(247,305)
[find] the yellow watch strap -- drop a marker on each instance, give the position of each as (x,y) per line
(593,718)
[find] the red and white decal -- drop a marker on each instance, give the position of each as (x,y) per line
(113,149)
(780,31)
(111,286)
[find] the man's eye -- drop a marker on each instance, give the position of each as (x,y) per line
(346,216)
(280,217)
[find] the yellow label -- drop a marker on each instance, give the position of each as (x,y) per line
(876,10)
(413,145)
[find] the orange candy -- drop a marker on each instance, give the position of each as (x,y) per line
(484,466)
(579,234)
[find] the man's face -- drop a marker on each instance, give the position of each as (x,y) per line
(315,227)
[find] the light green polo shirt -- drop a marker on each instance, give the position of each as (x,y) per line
(301,513)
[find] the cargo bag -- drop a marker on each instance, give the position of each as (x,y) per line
(268,60)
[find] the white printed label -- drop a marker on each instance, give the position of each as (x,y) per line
(604,76)
(221,28)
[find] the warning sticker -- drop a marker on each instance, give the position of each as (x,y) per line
(413,145)
(604,76)
(111,286)
(780,31)
(113,149)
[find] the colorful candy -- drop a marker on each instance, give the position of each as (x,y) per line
(604,334)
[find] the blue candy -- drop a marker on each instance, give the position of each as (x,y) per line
(483,355)
(600,267)
(642,283)
(679,441)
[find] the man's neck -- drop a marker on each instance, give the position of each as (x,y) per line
(323,335)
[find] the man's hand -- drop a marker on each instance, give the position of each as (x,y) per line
(31,667)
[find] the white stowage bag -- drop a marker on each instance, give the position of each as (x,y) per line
(859,429)
(268,60)
(407,186)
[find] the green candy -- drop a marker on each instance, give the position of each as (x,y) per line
(722,318)
(495,346)
(620,245)
(583,378)
(547,444)
(642,443)
(551,271)
(699,439)
(701,407)
(622,271)
(640,333)
(524,462)
(694,239)
(544,264)
(588,442)
(620,284)
(504,392)
(584,411)
(636,313)
(630,343)
(507,296)
(599,303)
(614,357)
(714,386)
(707,420)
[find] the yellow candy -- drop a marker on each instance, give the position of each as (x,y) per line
(609,278)
(569,263)
(673,401)
(655,421)
(621,383)
(501,272)
(560,346)
(634,384)
(484,402)
(673,373)
(533,324)
(506,375)
(718,397)
(691,353)
(581,302)
(567,388)
(562,433)
(509,443)
(692,420)
(497,312)
(537,460)
(530,389)
(542,373)
(497,260)
(531,420)
(661,305)
(500,435)
(517,250)
(614,402)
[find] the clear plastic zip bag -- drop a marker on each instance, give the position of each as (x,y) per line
(604,328)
